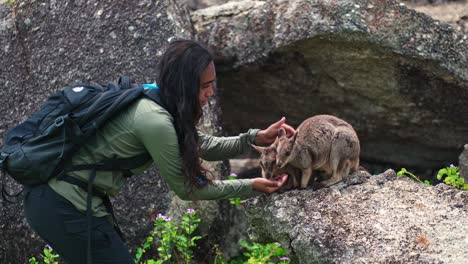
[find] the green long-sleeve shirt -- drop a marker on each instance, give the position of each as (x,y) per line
(145,127)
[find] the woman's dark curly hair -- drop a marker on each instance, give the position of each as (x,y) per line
(180,69)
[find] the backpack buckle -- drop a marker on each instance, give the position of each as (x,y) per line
(59,121)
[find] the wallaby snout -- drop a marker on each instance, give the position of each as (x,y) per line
(279,164)
(270,168)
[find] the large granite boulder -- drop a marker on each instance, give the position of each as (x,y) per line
(366,219)
(398,76)
(46,45)
(49,44)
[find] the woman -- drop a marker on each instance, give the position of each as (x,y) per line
(57,210)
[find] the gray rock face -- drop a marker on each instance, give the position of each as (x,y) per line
(398,76)
(46,45)
(367,219)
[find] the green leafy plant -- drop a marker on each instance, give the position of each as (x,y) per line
(404,172)
(259,253)
(175,242)
(48,256)
(166,231)
(141,250)
(10,2)
(186,241)
(451,176)
(235,201)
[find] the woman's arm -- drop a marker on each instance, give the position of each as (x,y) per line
(157,134)
(222,148)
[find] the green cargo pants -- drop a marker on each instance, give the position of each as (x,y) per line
(64,228)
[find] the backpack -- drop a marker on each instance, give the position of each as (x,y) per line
(39,148)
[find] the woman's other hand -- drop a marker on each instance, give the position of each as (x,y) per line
(268,136)
(269,185)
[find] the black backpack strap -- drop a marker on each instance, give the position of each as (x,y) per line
(105,198)
(6,196)
(82,184)
(89,213)
(112,109)
(91,191)
(124,165)
(109,111)
(154,94)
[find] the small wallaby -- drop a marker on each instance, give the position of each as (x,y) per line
(270,170)
(322,142)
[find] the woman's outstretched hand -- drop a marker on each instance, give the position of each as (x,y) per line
(268,136)
(269,185)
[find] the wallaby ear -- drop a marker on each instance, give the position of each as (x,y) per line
(293,137)
(257,148)
(281,132)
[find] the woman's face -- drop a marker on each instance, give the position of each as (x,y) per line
(207,82)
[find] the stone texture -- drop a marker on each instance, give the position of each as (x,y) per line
(366,219)
(46,45)
(398,76)
(454,13)
(200,4)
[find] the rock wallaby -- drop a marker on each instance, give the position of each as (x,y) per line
(324,143)
(270,170)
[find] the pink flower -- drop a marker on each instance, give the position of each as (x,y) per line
(190,210)
(160,216)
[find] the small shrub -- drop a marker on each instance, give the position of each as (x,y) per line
(172,239)
(259,253)
(451,176)
(48,257)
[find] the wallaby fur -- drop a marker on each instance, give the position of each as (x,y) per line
(270,170)
(322,142)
